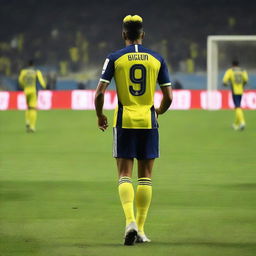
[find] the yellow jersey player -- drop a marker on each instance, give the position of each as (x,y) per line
(136,71)
(27,79)
(237,78)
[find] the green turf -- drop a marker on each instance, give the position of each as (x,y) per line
(58,187)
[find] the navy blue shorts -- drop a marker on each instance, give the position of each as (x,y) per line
(237,100)
(135,143)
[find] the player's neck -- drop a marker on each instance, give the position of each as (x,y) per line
(129,42)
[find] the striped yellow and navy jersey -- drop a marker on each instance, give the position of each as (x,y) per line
(28,78)
(237,78)
(136,71)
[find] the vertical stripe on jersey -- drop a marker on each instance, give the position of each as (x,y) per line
(119,120)
(136,48)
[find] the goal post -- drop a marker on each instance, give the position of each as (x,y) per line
(212,61)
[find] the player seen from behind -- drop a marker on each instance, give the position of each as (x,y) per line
(237,78)
(136,71)
(27,80)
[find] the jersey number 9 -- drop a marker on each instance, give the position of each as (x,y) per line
(238,78)
(141,81)
(29,80)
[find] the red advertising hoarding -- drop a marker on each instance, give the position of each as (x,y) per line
(84,99)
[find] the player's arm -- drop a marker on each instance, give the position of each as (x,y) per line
(245,77)
(226,78)
(106,76)
(164,82)
(41,78)
(99,102)
(20,79)
(166,100)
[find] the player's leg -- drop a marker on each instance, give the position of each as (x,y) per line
(27,117)
(126,194)
(236,121)
(125,188)
(32,111)
(33,118)
(240,121)
(124,152)
(143,196)
(239,115)
(148,151)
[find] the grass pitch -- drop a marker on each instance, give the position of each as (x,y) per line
(58,187)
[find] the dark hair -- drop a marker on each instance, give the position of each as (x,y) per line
(235,62)
(132,30)
(31,62)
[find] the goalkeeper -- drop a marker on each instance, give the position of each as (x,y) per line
(237,78)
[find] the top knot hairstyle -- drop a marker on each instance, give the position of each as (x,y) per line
(132,26)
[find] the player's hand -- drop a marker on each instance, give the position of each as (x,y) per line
(157,111)
(102,122)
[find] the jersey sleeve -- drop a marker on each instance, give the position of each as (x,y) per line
(20,79)
(40,78)
(163,75)
(107,70)
(226,77)
(245,76)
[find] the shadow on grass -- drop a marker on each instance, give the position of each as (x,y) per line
(13,196)
(247,245)
(238,186)
(109,245)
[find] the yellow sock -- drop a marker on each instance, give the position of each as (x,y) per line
(126,194)
(32,118)
(27,117)
(239,116)
(143,200)
(236,118)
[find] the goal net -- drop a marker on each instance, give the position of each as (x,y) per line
(221,51)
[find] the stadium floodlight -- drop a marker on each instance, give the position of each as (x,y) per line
(212,61)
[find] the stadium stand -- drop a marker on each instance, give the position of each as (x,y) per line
(71,40)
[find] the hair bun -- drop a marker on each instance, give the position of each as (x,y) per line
(127,18)
(134,18)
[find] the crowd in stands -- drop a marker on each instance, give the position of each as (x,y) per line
(72,36)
